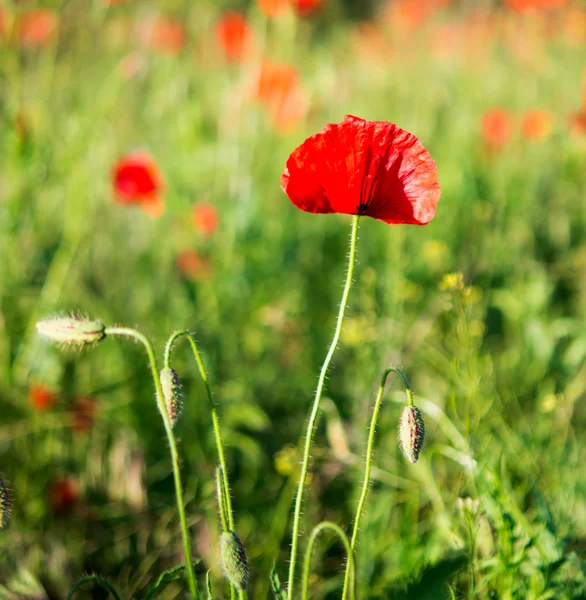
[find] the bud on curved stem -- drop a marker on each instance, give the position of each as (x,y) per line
(411,433)
(369,452)
(234,561)
(71,331)
(172,394)
(350,565)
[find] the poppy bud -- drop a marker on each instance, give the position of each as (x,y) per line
(233,559)
(73,331)
(5,505)
(411,433)
(172,394)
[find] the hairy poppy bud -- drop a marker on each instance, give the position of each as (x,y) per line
(411,433)
(172,393)
(233,559)
(73,331)
(5,505)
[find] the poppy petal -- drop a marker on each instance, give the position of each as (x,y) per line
(371,168)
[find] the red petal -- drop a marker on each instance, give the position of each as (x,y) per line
(372,168)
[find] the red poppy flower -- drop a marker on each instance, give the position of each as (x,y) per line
(163,34)
(192,265)
(577,122)
(84,411)
(137,180)
(205,218)
(37,28)
(234,36)
(532,5)
(41,397)
(304,8)
(63,495)
(279,90)
(537,124)
(273,8)
(360,167)
(497,128)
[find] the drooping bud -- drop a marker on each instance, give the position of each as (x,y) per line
(172,393)
(233,560)
(5,505)
(73,331)
(411,433)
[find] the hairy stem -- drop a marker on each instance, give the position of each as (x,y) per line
(368,464)
(349,552)
(228,513)
(127,332)
(315,409)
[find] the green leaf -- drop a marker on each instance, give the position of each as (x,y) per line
(276,585)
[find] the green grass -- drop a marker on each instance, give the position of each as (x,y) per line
(497,367)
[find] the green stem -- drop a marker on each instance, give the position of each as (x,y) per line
(350,554)
(204,376)
(229,513)
(96,578)
(221,499)
(368,465)
(315,409)
(125,331)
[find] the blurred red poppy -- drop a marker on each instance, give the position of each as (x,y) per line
(205,218)
(137,180)
(163,34)
(577,122)
(84,411)
(37,28)
(63,495)
(360,167)
(273,8)
(41,397)
(497,128)
(532,5)
(4,23)
(192,265)
(234,36)
(537,124)
(304,8)
(279,90)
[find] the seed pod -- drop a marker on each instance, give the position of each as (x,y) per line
(172,393)
(233,559)
(411,433)
(5,505)
(72,331)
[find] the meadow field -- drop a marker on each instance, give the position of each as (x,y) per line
(483,309)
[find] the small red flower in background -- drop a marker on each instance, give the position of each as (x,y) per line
(279,90)
(137,180)
(192,265)
(84,411)
(41,397)
(63,495)
(163,34)
(497,128)
(304,8)
(205,218)
(360,167)
(577,122)
(537,124)
(533,5)
(273,8)
(234,36)
(37,28)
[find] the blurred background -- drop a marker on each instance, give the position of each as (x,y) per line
(141,147)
